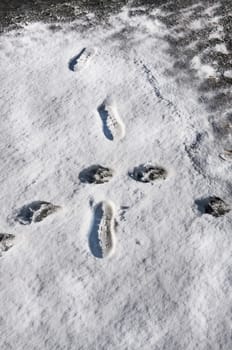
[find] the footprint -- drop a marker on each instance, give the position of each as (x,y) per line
(81,60)
(102,237)
(34,212)
(6,242)
(148,173)
(113,126)
(226,155)
(96,174)
(214,206)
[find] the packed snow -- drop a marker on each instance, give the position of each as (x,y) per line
(163,277)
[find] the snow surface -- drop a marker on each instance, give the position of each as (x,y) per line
(168,284)
(203,70)
(228,74)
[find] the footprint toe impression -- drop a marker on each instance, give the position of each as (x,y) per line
(148,173)
(96,174)
(6,242)
(101,238)
(35,212)
(113,127)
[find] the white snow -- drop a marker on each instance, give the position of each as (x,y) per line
(168,283)
(203,70)
(228,74)
(197,24)
(210,10)
(221,48)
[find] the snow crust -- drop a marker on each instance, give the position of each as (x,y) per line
(168,284)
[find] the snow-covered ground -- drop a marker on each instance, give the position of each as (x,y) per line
(168,282)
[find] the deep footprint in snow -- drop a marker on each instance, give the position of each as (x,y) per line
(148,173)
(102,237)
(96,174)
(35,212)
(6,242)
(214,206)
(113,126)
(81,60)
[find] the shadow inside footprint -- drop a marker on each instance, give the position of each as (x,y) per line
(74,61)
(101,238)
(213,205)
(96,174)
(102,110)
(35,212)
